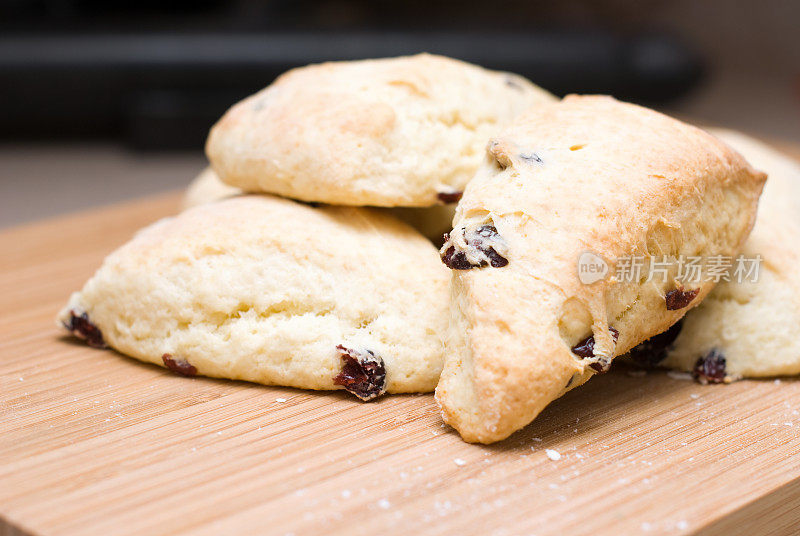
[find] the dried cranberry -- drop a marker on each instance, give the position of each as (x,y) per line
(80,326)
(679,298)
(449,197)
(710,368)
(654,350)
(585,349)
(363,373)
(456,260)
(179,366)
(480,241)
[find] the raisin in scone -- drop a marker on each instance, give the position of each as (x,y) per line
(586,176)
(432,222)
(272,291)
(746,328)
(406,131)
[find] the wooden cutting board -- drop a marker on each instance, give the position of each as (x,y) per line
(92,442)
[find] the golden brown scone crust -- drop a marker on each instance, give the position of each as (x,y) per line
(386,132)
(752,324)
(586,174)
(265,289)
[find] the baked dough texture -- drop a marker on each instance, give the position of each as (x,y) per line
(431,222)
(588,174)
(387,132)
(265,289)
(751,324)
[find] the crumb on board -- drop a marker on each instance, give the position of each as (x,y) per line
(675,375)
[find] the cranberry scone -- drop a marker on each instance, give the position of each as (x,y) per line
(406,131)
(570,190)
(745,326)
(276,292)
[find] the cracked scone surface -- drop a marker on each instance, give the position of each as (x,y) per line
(586,174)
(264,289)
(385,132)
(751,324)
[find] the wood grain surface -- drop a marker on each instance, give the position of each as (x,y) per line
(92,442)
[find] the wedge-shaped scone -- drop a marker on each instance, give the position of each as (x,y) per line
(574,184)
(276,292)
(407,131)
(745,327)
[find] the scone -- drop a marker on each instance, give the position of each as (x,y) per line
(407,131)
(745,327)
(579,183)
(207,188)
(272,291)
(432,222)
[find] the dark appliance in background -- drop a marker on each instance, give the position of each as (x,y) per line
(157,75)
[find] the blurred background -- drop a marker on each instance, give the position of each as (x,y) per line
(105,101)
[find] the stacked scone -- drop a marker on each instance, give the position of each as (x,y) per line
(295,290)
(269,277)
